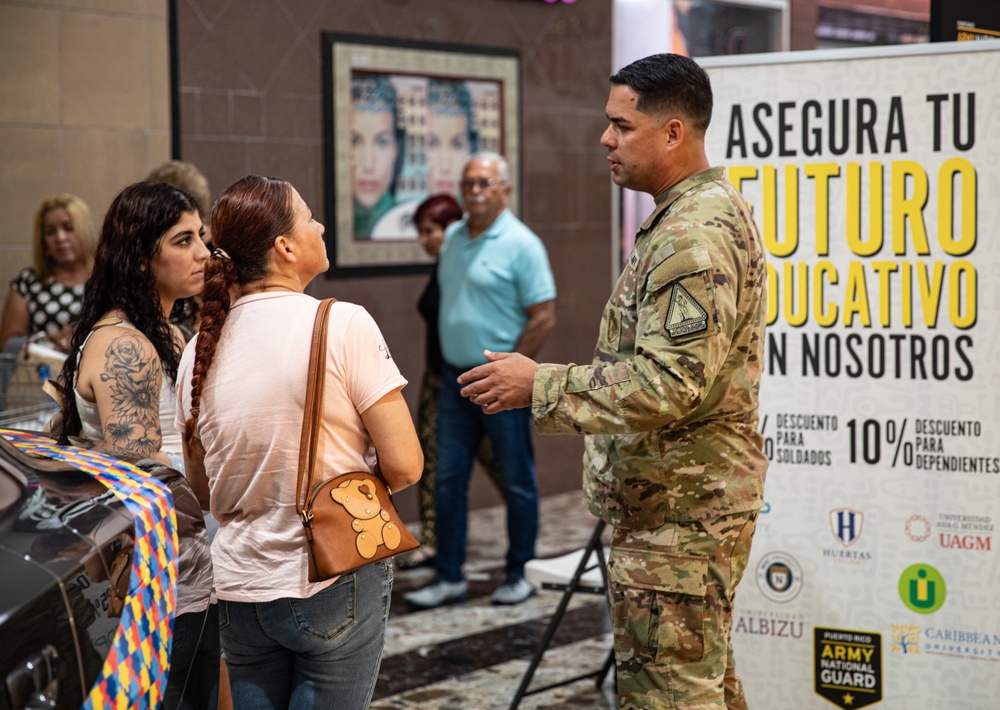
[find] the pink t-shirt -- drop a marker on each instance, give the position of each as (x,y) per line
(251,421)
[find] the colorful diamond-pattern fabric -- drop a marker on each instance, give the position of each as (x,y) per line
(134,675)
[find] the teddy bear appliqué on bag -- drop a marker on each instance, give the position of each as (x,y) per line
(371,523)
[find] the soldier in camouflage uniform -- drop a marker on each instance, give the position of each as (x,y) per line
(673,459)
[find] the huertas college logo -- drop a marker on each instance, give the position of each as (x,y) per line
(846,524)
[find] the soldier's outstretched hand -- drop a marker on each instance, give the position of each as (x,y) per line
(504,382)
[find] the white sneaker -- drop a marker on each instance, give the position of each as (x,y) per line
(513,591)
(438,594)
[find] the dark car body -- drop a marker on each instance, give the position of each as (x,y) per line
(65,555)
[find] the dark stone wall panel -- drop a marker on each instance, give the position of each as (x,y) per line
(251,101)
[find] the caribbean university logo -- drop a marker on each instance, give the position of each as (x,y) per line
(906,639)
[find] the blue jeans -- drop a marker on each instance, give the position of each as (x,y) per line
(461,427)
(320,652)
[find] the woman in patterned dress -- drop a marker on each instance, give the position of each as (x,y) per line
(46,297)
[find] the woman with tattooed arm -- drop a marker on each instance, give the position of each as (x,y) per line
(119,380)
(123,362)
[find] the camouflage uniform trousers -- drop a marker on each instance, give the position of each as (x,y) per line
(427,406)
(671,592)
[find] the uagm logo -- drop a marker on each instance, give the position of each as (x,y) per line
(922,588)
(966,542)
(779,577)
(846,524)
(906,639)
(918,528)
(965,531)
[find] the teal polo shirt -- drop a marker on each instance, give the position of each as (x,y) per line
(487,284)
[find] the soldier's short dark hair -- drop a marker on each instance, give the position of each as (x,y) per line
(669,83)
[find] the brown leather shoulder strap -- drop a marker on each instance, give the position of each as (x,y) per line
(313,409)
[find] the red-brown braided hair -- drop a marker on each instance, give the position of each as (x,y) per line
(247,218)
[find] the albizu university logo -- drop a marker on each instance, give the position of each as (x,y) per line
(922,588)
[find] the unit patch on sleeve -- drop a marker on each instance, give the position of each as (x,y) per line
(684,315)
(613,328)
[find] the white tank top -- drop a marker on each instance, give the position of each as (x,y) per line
(91,420)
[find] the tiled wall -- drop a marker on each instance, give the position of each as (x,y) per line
(84,107)
(251,102)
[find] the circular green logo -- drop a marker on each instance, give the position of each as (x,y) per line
(922,588)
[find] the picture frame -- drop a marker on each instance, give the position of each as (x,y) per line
(401,118)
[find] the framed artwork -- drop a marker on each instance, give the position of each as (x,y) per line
(401,118)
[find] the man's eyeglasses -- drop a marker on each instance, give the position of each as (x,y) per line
(481,183)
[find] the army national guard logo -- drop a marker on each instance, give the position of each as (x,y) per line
(848,667)
(685,315)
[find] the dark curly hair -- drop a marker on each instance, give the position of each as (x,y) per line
(246,219)
(122,278)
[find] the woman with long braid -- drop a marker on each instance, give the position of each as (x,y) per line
(288,642)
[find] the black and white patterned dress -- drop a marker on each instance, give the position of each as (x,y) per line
(51,305)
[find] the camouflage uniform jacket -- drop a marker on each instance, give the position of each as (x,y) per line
(669,403)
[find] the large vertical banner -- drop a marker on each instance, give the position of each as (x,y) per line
(875,180)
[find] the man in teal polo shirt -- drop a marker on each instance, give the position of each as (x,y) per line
(497,294)
(673,458)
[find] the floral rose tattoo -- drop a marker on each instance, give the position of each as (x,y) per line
(134,425)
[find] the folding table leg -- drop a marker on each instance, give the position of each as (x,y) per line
(594,545)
